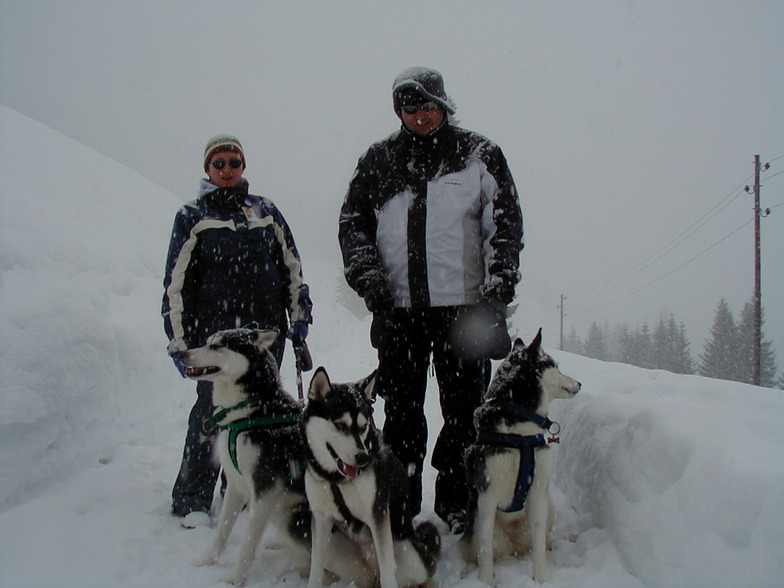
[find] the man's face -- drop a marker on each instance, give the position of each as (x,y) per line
(422,119)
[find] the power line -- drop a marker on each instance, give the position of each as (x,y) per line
(651,283)
(665,249)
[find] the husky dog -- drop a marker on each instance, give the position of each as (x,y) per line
(358,489)
(508,467)
(259,446)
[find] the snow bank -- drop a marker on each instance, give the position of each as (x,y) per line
(683,472)
(82,246)
(661,480)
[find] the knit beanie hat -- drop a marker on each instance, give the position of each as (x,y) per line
(420,84)
(222,143)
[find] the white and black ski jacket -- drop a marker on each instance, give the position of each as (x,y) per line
(232,261)
(432,221)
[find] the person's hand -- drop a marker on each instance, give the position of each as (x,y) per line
(181,367)
(298,331)
(378,300)
(498,343)
(378,328)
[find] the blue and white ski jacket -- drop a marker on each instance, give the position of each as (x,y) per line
(232,260)
(432,221)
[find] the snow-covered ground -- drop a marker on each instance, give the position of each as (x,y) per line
(661,480)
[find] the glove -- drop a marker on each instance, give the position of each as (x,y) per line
(378,299)
(378,327)
(298,331)
(480,331)
(498,343)
(178,363)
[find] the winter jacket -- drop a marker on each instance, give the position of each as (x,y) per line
(232,261)
(432,221)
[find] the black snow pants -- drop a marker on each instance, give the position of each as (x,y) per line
(406,342)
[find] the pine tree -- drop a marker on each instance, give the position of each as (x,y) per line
(683,363)
(643,347)
(573,343)
(722,351)
(661,352)
(595,345)
(625,352)
(746,333)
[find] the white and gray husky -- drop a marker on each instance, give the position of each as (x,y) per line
(509,465)
(358,489)
(260,449)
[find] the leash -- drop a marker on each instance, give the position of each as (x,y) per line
(302,360)
(527,444)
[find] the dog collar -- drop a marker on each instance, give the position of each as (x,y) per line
(551,427)
(210,424)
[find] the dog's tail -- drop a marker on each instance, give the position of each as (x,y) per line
(427,542)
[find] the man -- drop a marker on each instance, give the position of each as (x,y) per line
(431,232)
(232,261)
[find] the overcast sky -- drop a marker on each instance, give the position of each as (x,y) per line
(630,127)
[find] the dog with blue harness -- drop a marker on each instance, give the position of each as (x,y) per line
(509,465)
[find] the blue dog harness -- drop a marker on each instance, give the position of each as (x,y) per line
(527,444)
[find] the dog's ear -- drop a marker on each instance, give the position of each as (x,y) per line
(264,339)
(368,386)
(536,344)
(320,385)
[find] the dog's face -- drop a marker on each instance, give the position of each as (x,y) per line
(530,377)
(228,355)
(339,427)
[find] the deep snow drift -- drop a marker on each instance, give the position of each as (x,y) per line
(661,480)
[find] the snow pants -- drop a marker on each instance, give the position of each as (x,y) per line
(193,490)
(408,339)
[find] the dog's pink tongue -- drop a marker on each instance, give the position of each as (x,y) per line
(350,471)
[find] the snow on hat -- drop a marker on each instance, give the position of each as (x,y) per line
(222,143)
(420,84)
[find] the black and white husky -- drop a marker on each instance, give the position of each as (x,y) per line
(259,445)
(509,465)
(358,489)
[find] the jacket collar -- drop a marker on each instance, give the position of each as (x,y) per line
(223,198)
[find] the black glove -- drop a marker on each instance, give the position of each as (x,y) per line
(498,343)
(480,331)
(378,298)
(378,327)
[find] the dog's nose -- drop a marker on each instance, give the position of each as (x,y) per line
(362,458)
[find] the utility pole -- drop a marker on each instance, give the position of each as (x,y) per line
(757,278)
(562,315)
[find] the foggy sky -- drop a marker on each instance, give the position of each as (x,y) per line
(626,125)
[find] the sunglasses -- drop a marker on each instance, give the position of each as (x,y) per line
(414,108)
(220,163)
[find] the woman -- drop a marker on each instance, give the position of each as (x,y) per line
(232,261)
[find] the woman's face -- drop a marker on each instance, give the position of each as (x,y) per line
(225,176)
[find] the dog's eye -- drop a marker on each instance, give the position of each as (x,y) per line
(341,426)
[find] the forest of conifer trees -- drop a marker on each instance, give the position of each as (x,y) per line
(727,354)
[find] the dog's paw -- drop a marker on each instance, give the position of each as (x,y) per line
(235,580)
(208,559)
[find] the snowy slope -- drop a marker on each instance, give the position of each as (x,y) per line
(661,480)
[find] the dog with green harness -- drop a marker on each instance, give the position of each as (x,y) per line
(260,448)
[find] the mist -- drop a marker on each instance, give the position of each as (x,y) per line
(626,125)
